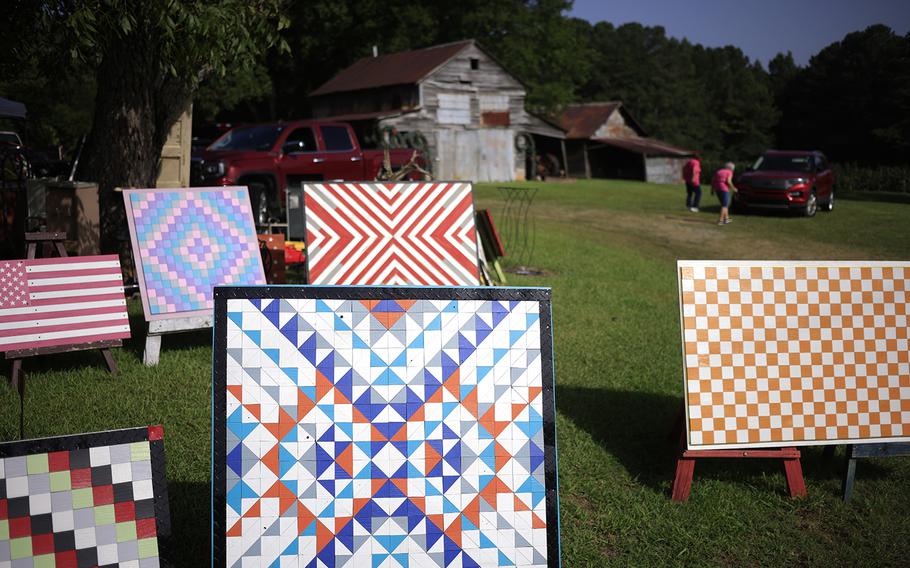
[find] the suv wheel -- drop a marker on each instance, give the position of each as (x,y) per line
(829,205)
(259,199)
(811,205)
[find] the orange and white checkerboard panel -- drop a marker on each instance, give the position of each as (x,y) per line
(790,353)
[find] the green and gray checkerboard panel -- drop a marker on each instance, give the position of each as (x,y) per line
(88,500)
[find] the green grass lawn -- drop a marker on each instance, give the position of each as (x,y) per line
(608,249)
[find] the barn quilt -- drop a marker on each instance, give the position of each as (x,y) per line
(86,500)
(51,302)
(391,233)
(394,427)
(185,241)
(795,353)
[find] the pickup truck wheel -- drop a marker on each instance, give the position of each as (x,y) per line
(811,205)
(829,205)
(259,198)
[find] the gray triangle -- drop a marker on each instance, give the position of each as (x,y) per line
(539,559)
(499,390)
(501,522)
(309,456)
(486,507)
(359,541)
(248,458)
(303,326)
(401,397)
(376,335)
(341,361)
(438,557)
(236,353)
(253,372)
(285,307)
(273,391)
(307,433)
(420,539)
(291,410)
(402,523)
(483,408)
(254,550)
(468,328)
(310,492)
(436,360)
(273,530)
(452,343)
(375,397)
(517,374)
(523,454)
(520,541)
(466,487)
(322,342)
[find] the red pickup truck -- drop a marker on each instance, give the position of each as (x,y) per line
(268,158)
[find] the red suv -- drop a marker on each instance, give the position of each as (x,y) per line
(795,180)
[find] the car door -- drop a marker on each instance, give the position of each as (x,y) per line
(343,160)
(300,156)
(824,178)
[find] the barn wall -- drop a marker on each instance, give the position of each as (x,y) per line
(664,169)
(615,127)
(397,97)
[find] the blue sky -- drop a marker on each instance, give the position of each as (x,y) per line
(761,28)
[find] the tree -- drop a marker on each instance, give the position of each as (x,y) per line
(148,58)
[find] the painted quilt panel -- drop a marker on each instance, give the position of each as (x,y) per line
(86,500)
(50,302)
(186,241)
(795,353)
(397,233)
(393,427)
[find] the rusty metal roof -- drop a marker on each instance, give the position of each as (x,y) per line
(404,68)
(646,146)
(582,121)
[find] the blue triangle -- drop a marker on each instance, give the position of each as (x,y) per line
(327,367)
(376,360)
(499,354)
(451,550)
(274,355)
(515,335)
(255,335)
(481,330)
(291,373)
(467,525)
(359,343)
(499,313)
(345,384)
(346,536)
(452,307)
(401,360)
(291,550)
(485,541)
(347,492)
(468,562)
(402,559)
(269,306)
(448,366)
(308,349)
(465,348)
(237,318)
(483,371)
(435,325)
(341,325)
(322,307)
(417,343)
(504,560)
(290,330)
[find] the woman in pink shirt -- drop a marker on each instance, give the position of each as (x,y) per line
(722,184)
(692,177)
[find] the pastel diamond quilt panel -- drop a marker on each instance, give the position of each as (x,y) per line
(86,500)
(795,353)
(186,241)
(391,233)
(384,427)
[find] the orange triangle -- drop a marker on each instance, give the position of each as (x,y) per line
(370,304)
(253,511)
(499,426)
(401,484)
(236,391)
(502,456)
(517,407)
(402,434)
(270,460)
(323,386)
(286,497)
(453,531)
(285,425)
(376,435)
(236,530)
(406,304)
(255,410)
(418,415)
(323,535)
(421,503)
(392,317)
(520,505)
(453,384)
(436,520)
(376,485)
(489,492)
(304,518)
(340,398)
(472,511)
(470,402)
(436,396)
(304,405)
(346,459)
(359,503)
(533,392)
(536,523)
(359,418)
(432,458)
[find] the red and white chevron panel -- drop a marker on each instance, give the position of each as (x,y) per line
(413,233)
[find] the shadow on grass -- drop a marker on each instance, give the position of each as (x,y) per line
(637,428)
(191,526)
(882,197)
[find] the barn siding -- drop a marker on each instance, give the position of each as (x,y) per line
(664,169)
(615,127)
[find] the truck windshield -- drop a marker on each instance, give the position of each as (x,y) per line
(258,138)
(783,164)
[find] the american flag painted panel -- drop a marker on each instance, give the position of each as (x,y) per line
(50,302)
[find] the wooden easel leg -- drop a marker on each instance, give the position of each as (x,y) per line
(109,360)
(795,483)
(849,475)
(16,375)
(682,484)
(20,386)
(152,350)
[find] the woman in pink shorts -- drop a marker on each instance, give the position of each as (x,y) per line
(721,185)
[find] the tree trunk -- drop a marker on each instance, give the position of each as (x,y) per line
(136,104)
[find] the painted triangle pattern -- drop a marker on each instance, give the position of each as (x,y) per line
(385,433)
(186,241)
(398,233)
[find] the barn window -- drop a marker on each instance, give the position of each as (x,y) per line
(454,109)
(475,63)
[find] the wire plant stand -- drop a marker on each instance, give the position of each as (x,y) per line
(519,228)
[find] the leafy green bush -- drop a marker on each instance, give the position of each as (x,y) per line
(892,179)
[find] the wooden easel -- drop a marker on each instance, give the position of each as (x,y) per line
(17,375)
(856,451)
(685,463)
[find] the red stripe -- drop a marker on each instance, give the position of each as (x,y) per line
(95,298)
(44,316)
(65,341)
(114,272)
(75,286)
(65,327)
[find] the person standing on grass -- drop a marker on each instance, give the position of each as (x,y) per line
(692,177)
(722,184)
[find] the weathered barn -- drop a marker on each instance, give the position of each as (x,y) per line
(467,105)
(604,141)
